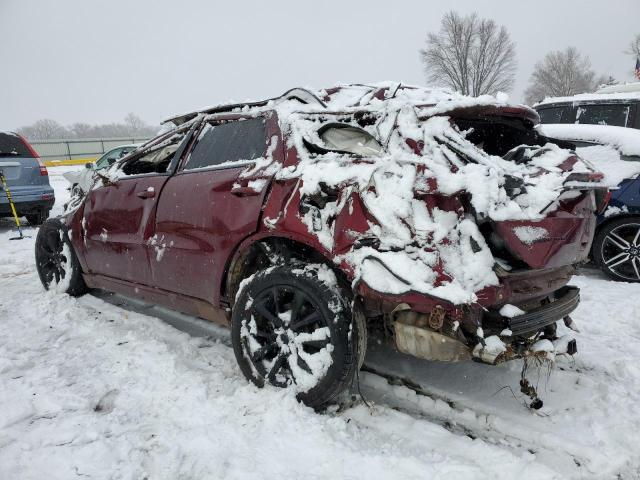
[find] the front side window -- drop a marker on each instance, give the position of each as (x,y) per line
(228,143)
(157,158)
(603,114)
(108,158)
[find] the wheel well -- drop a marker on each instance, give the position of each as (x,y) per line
(613,218)
(271,251)
(609,220)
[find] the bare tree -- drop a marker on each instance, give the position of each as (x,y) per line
(471,55)
(45,129)
(634,46)
(81,130)
(561,73)
(134,123)
(133,126)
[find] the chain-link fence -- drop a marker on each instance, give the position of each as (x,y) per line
(85,148)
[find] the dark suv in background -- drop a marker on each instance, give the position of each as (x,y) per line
(27,179)
(609,117)
(604,109)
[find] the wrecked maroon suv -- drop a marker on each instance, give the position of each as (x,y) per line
(444,225)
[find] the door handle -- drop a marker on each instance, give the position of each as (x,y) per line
(148,193)
(244,191)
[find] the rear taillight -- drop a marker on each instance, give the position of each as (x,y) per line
(43,169)
(602,200)
(34,154)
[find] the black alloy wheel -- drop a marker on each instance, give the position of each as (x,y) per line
(291,329)
(617,249)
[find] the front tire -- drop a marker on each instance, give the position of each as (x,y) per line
(56,262)
(616,249)
(291,326)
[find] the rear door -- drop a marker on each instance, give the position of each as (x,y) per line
(118,217)
(212,204)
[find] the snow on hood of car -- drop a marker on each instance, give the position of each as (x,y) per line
(626,140)
(610,143)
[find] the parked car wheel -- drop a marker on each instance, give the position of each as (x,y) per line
(38,218)
(56,262)
(616,249)
(291,326)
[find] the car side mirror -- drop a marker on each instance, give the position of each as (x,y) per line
(89,165)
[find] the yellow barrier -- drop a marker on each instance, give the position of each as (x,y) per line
(64,163)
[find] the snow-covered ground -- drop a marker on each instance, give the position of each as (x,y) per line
(92,390)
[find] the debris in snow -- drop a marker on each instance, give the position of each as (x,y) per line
(543,345)
(510,311)
(492,348)
(561,345)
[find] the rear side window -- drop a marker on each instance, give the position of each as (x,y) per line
(13,146)
(551,115)
(603,114)
(242,140)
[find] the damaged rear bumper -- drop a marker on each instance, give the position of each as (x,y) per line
(444,332)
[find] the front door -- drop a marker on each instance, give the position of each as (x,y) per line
(211,205)
(118,218)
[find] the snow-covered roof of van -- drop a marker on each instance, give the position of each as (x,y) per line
(357,97)
(620,88)
(592,97)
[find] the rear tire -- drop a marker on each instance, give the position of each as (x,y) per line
(291,326)
(37,218)
(616,249)
(56,262)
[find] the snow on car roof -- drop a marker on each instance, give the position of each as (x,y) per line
(357,97)
(591,97)
(620,88)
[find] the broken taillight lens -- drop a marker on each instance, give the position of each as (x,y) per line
(602,200)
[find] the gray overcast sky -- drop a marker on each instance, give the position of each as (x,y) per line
(95,61)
